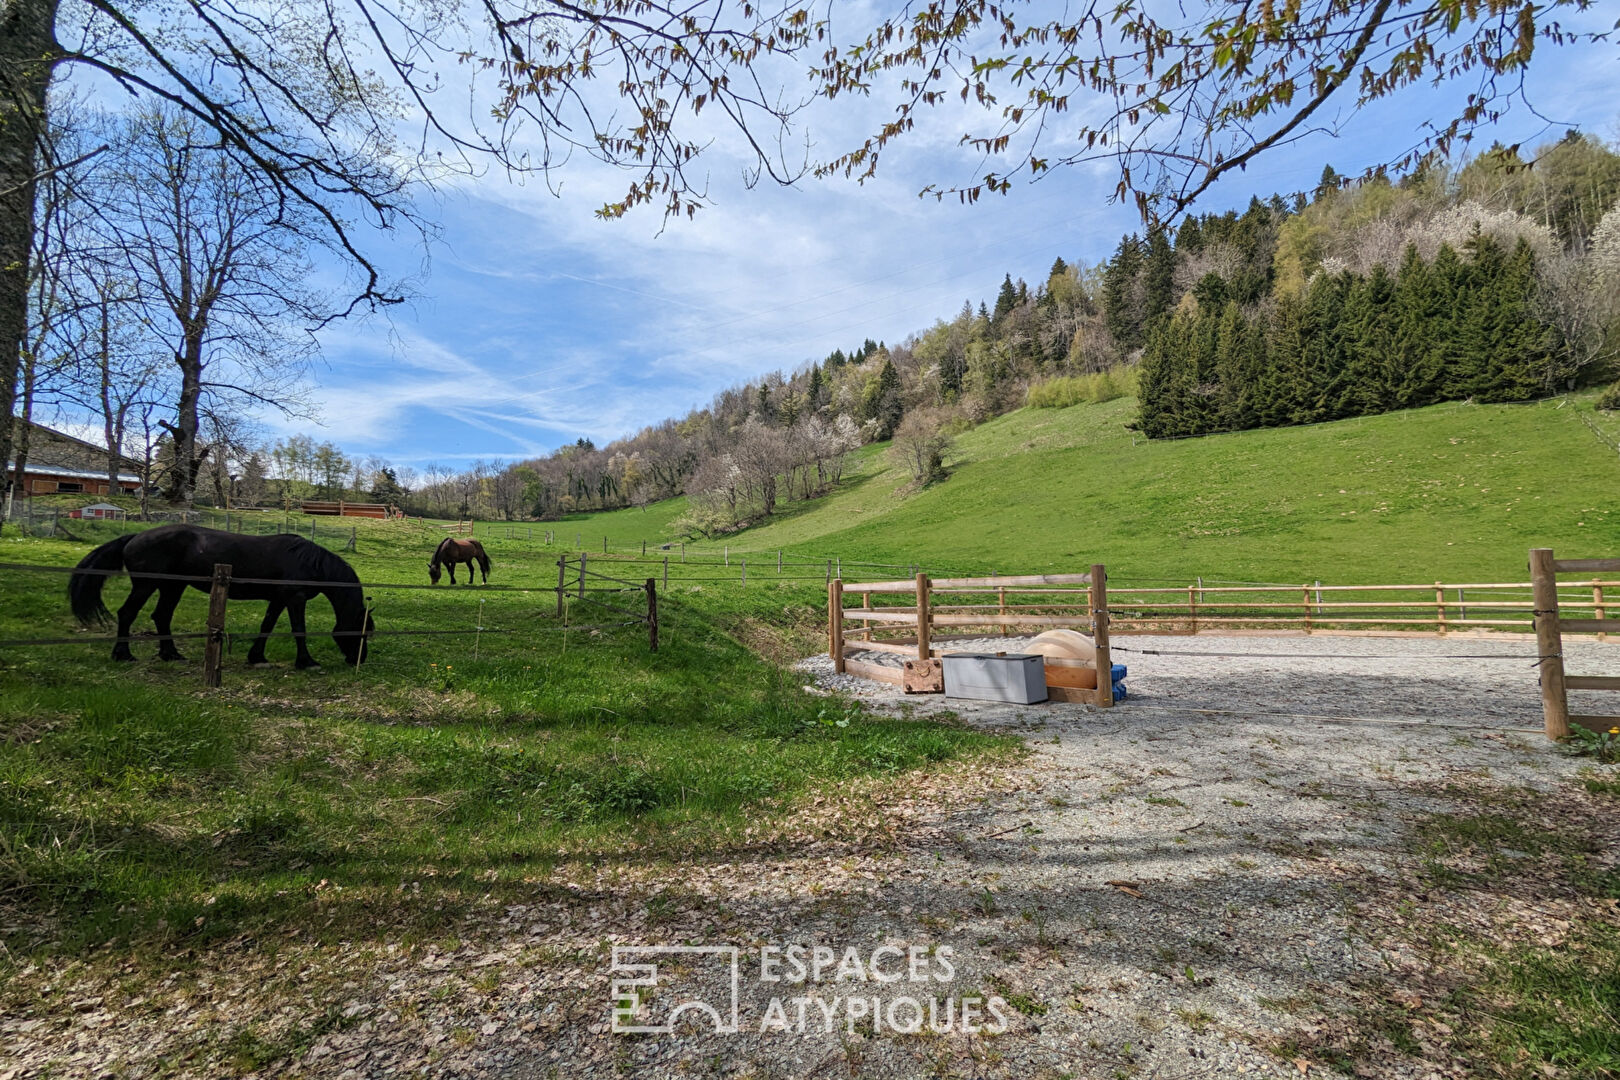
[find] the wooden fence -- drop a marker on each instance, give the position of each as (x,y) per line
(1552,627)
(1088,602)
(346,509)
(1028,600)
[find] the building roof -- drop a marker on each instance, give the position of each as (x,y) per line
(77,474)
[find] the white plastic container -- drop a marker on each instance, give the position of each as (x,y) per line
(1019,678)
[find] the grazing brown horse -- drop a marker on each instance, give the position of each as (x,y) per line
(452,551)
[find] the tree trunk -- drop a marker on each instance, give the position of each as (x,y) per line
(28,51)
(188,460)
(21,441)
(111,420)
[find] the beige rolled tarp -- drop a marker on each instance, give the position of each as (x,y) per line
(1066,645)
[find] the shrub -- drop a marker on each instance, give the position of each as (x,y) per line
(1066,390)
(1610,398)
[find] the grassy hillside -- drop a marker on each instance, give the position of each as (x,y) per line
(1455,491)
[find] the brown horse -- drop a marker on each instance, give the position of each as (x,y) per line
(452,551)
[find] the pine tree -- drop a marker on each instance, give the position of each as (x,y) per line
(816,391)
(1122,308)
(1283,384)
(1158,278)
(1006,300)
(1417,324)
(1369,338)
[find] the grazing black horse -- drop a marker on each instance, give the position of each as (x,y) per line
(452,552)
(191,551)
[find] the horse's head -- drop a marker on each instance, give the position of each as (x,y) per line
(355,646)
(433,571)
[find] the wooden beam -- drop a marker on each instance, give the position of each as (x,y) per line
(922,617)
(835,624)
(1099,636)
(1592,682)
(1584,566)
(1549,644)
(878,586)
(1595,723)
(879,672)
(1583,626)
(214,650)
(1012,582)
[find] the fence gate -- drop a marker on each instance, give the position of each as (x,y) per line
(1555,683)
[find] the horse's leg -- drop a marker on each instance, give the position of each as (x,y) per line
(169,594)
(272,614)
(470,569)
(452,567)
(295,616)
(140,591)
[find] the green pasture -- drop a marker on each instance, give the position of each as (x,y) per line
(1458,492)
(136,806)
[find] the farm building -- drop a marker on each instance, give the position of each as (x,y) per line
(57,462)
(100,512)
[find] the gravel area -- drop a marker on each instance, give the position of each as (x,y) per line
(1176,887)
(1489,681)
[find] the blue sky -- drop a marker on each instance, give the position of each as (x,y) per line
(537,323)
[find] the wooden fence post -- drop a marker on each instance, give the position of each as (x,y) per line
(924,618)
(604,545)
(1192,606)
(1549,644)
(582,574)
(1440,606)
(778,560)
(1001,605)
(666,573)
(1099,636)
(1598,611)
(835,623)
(652,615)
(562,577)
(214,651)
(1306,589)
(644,549)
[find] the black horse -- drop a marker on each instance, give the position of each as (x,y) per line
(191,551)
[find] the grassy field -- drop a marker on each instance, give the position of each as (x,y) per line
(1455,492)
(135,806)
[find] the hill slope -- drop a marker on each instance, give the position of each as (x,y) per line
(1454,491)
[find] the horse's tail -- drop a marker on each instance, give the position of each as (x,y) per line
(84,590)
(483,559)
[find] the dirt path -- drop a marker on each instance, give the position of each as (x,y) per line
(1198,883)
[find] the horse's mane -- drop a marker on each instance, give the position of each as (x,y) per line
(438,551)
(315,563)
